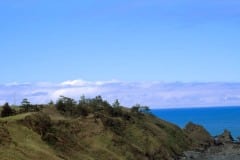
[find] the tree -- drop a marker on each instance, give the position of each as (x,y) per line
(51,103)
(144,109)
(98,99)
(7,110)
(66,105)
(82,107)
(117,109)
(96,104)
(60,105)
(25,105)
(135,108)
(82,100)
(116,104)
(140,109)
(82,110)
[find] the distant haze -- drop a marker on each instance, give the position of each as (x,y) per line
(153,94)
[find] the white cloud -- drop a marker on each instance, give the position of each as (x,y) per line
(87,83)
(154,94)
(75,83)
(17,84)
(75,92)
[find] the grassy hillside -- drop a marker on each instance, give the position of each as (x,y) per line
(18,142)
(102,133)
(105,137)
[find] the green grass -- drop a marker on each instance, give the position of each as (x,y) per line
(16,117)
(26,144)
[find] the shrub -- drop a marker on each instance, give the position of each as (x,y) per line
(7,111)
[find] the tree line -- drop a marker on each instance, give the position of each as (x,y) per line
(24,107)
(70,107)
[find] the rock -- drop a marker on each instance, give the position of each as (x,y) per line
(199,136)
(224,138)
(224,148)
(228,151)
(191,154)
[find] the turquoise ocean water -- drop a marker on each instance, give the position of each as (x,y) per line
(214,119)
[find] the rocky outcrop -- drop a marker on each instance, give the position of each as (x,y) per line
(199,136)
(224,148)
(222,152)
(224,138)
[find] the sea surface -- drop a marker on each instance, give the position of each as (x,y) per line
(214,119)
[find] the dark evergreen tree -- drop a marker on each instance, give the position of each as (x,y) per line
(116,104)
(135,108)
(25,105)
(117,109)
(7,110)
(66,105)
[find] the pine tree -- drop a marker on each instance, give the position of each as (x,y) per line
(7,110)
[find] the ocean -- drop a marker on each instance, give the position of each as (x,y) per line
(214,119)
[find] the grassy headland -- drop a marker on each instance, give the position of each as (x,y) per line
(92,129)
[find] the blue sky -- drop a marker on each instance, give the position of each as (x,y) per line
(129,41)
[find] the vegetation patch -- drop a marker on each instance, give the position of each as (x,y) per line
(5,137)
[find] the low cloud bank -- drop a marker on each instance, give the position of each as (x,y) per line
(153,94)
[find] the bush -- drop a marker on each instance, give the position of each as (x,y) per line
(7,111)
(66,105)
(39,122)
(114,124)
(82,110)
